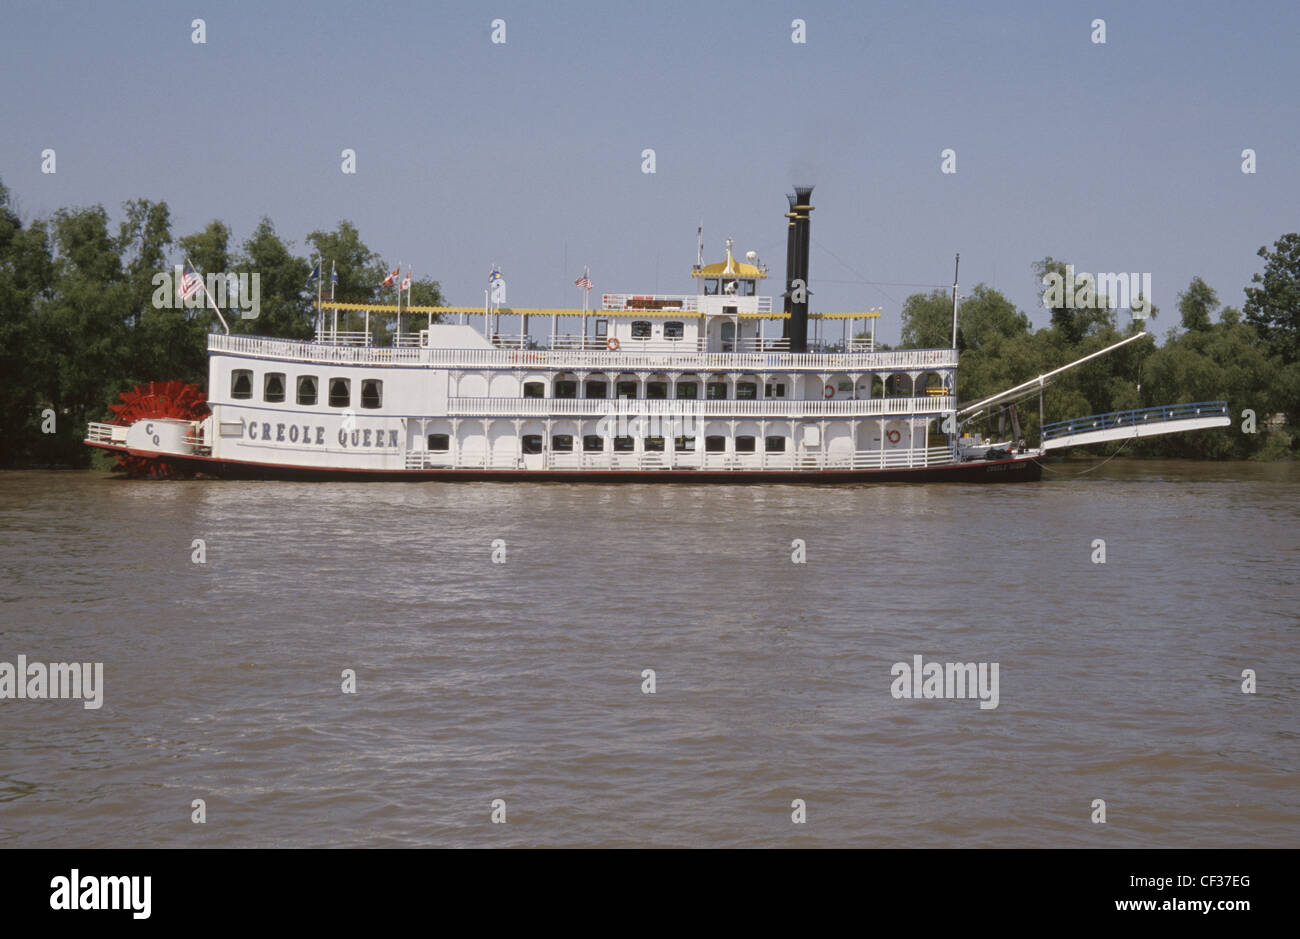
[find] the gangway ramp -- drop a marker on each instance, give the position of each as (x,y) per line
(1143,422)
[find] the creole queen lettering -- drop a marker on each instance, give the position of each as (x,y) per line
(367,437)
(359,438)
(286,433)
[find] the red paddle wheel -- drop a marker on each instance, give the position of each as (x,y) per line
(172,399)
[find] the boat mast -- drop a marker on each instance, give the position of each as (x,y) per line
(956,264)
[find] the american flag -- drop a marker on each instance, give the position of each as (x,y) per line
(584,280)
(191,283)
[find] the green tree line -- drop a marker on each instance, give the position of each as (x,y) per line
(79,325)
(1249,357)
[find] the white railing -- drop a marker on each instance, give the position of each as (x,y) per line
(97,432)
(571,342)
(760,344)
(901,360)
(607,460)
(342,338)
(776,408)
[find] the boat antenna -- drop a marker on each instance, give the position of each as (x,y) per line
(955,266)
(699,246)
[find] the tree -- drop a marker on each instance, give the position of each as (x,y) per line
(1063,315)
(927,321)
(26,277)
(360,270)
(986,314)
(1197,304)
(1274,307)
(209,250)
(286,307)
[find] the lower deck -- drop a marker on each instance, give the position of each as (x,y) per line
(1021,468)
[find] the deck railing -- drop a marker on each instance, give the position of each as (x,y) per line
(622,360)
(605,460)
(773,408)
(1134,418)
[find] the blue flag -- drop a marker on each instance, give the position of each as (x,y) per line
(315,274)
(334,273)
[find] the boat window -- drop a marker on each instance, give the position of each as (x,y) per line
(775,444)
(746,390)
(688,390)
(716,390)
(372,393)
(592,443)
(566,389)
(562,443)
(340,392)
(534,389)
(241,383)
(273,387)
(654,444)
(623,445)
(440,442)
(684,444)
(656,389)
(674,330)
(774,390)
(746,288)
(745,444)
(532,443)
(625,389)
(780,389)
(715,444)
(711,287)
(597,389)
(307,389)
(640,329)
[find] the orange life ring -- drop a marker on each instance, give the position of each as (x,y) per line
(828,392)
(893,436)
(612,343)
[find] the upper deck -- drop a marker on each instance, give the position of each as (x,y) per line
(491,357)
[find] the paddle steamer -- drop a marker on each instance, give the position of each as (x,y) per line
(713,385)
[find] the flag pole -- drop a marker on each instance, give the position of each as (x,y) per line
(319,324)
(333,274)
(203,283)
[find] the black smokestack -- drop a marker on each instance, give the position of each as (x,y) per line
(789,263)
(796,267)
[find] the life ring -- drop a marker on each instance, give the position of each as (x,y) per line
(612,343)
(893,436)
(829,392)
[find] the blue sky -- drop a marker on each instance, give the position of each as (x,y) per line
(1117,157)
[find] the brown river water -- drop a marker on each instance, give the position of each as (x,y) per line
(523,680)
